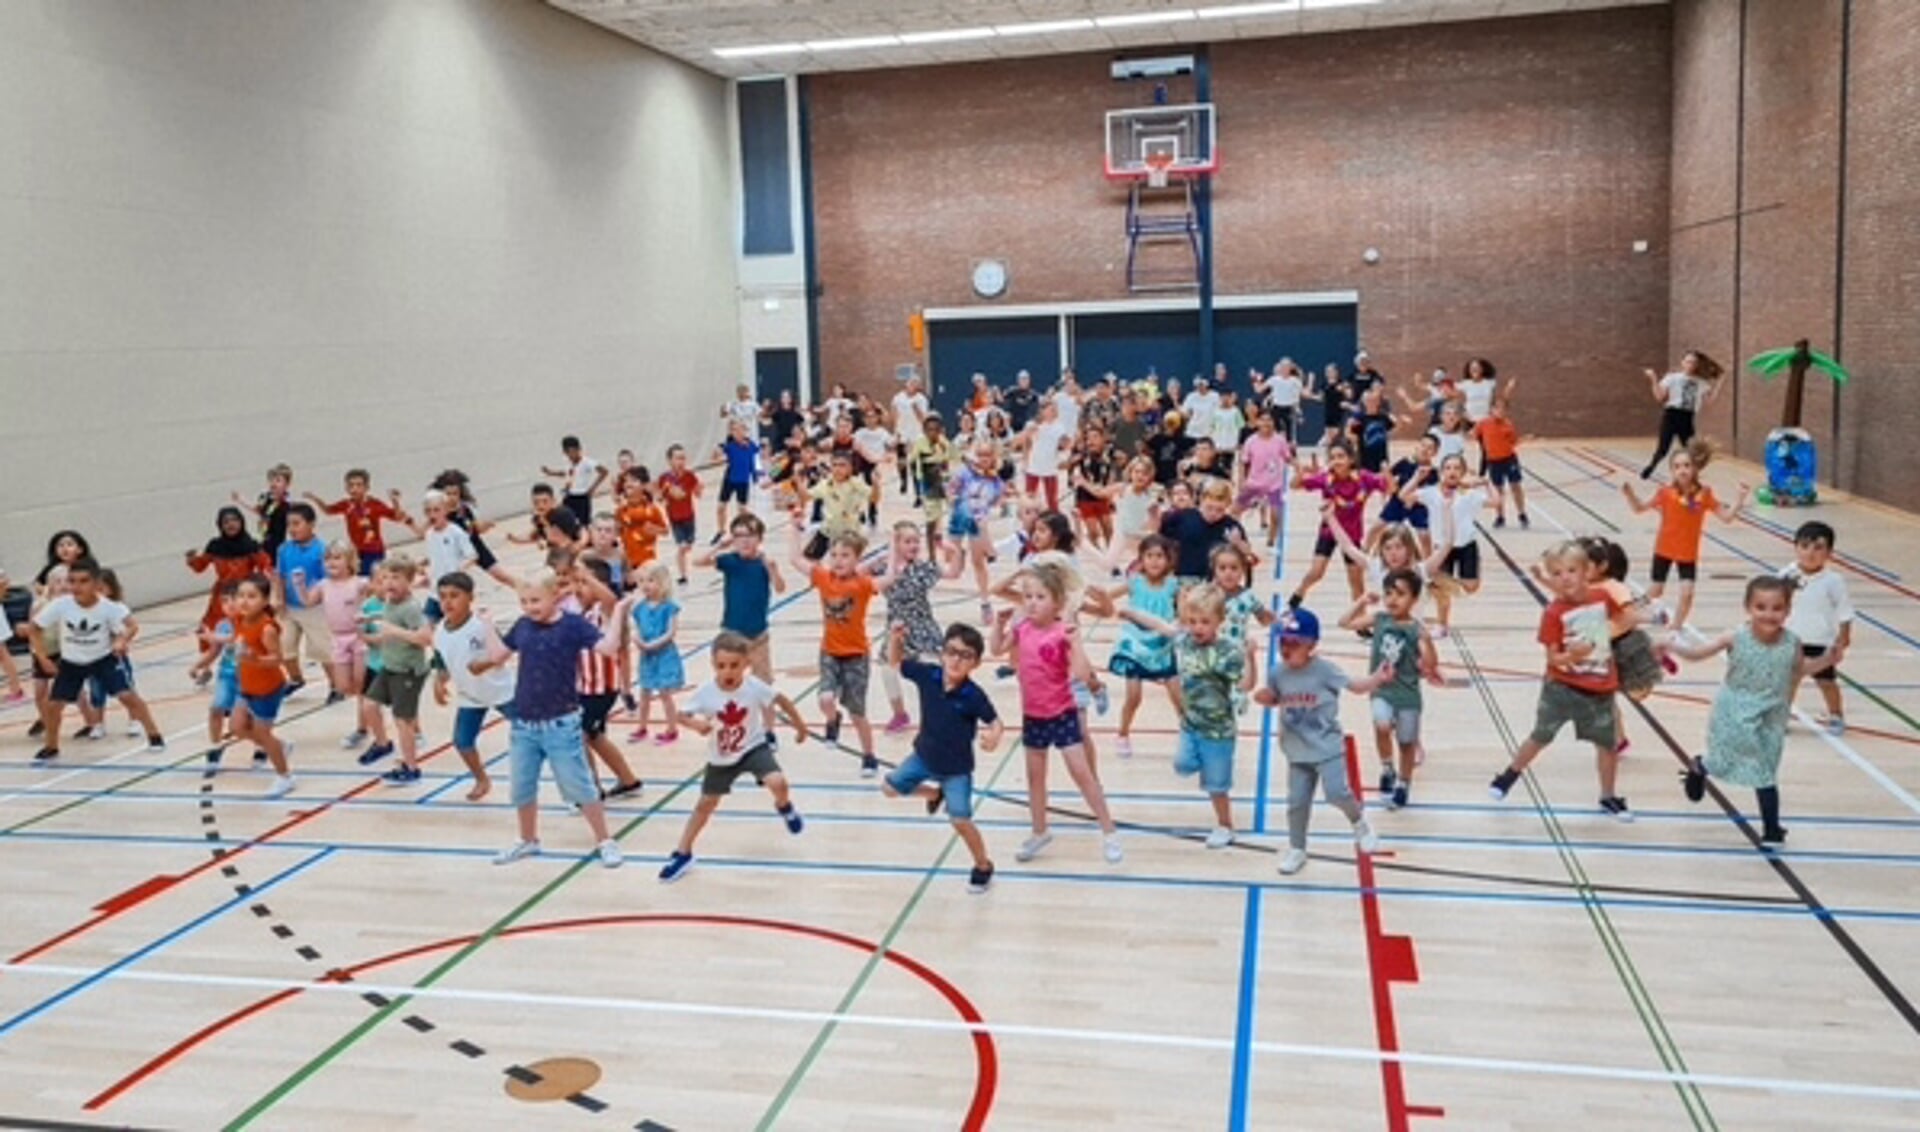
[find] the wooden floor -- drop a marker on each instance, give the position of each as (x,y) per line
(183,954)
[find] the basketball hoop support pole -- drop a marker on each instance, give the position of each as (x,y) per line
(1203,210)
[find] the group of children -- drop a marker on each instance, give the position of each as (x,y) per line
(1154,506)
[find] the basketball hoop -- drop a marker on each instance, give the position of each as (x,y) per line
(1157,166)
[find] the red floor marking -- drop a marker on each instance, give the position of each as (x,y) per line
(1389,960)
(986,1055)
(1432,1110)
(154,886)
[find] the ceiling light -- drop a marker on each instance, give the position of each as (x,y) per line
(1313,4)
(1045,27)
(1243,11)
(950,35)
(760,49)
(1139,19)
(853,44)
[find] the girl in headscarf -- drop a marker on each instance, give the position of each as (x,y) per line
(232,553)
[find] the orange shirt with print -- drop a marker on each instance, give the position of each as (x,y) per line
(1681,520)
(1499,438)
(1588,619)
(641,525)
(257,665)
(843,601)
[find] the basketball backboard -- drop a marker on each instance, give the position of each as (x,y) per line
(1154,142)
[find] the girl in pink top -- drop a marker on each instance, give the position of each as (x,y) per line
(1346,489)
(339,595)
(1047,651)
(1264,460)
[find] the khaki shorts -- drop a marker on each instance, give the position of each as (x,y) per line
(758,762)
(305,627)
(399,692)
(1591,714)
(760,657)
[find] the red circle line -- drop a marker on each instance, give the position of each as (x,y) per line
(985,1053)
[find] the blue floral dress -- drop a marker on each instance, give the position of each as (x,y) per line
(1141,655)
(1748,727)
(660,671)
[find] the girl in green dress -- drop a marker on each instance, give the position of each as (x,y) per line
(1748,727)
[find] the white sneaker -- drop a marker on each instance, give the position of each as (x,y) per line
(1033,846)
(97,731)
(1293,862)
(1365,837)
(281,786)
(1110,845)
(1220,838)
(1124,745)
(519,850)
(353,739)
(610,854)
(134,730)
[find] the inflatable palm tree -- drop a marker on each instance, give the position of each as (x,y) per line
(1792,461)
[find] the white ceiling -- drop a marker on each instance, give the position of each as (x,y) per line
(694,29)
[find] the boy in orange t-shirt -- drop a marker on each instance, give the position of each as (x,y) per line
(1581,680)
(845,592)
(641,524)
(1499,441)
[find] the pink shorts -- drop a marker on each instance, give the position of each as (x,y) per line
(1251,494)
(349,648)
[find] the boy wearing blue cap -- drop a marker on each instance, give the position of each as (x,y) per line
(1307,690)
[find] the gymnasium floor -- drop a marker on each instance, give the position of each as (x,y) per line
(181,954)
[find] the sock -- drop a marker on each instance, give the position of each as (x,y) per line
(1769,798)
(786,809)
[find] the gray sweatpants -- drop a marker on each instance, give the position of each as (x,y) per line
(1331,776)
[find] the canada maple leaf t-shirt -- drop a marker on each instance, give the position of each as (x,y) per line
(739,717)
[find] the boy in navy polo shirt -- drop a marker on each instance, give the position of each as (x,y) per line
(952,708)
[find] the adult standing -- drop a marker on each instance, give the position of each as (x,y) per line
(982,398)
(1284,392)
(743,410)
(784,417)
(1476,388)
(1681,393)
(1022,401)
(1066,402)
(909,425)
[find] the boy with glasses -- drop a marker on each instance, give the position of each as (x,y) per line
(952,710)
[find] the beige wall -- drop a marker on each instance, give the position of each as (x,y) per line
(400,234)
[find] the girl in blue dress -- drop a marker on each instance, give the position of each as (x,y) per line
(656,618)
(1143,657)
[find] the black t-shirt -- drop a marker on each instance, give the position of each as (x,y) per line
(783,422)
(1127,435)
(1020,405)
(1166,452)
(1196,539)
(1375,429)
(1096,468)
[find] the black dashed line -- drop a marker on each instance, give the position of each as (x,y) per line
(243,889)
(261,910)
(229,870)
(283,931)
(591,1104)
(523,1075)
(463,1046)
(213,835)
(307,953)
(651,1126)
(376,998)
(417,1024)
(206,818)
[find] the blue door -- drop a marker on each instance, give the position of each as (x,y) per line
(776,372)
(998,347)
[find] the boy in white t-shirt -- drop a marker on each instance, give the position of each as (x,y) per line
(450,548)
(731,709)
(583,475)
(909,425)
(459,639)
(1821,614)
(1199,408)
(95,633)
(1043,441)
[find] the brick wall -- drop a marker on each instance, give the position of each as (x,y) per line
(1763,140)
(1503,169)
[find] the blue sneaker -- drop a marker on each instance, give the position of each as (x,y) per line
(792,817)
(375,753)
(401,775)
(1100,701)
(676,866)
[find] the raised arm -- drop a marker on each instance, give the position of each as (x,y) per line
(1639,506)
(1700,650)
(1653,383)
(1727,511)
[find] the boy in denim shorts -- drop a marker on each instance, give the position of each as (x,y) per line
(546,714)
(732,709)
(952,708)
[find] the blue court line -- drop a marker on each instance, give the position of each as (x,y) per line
(184,930)
(1653,849)
(1242,1081)
(457,779)
(1122,880)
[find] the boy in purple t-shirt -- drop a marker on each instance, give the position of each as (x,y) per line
(546,712)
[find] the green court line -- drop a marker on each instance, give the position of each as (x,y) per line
(1637,993)
(820,1040)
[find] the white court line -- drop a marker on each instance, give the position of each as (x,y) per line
(127,754)
(997,1029)
(1857,759)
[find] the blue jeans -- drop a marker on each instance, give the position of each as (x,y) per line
(559,744)
(1211,759)
(467,722)
(957,789)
